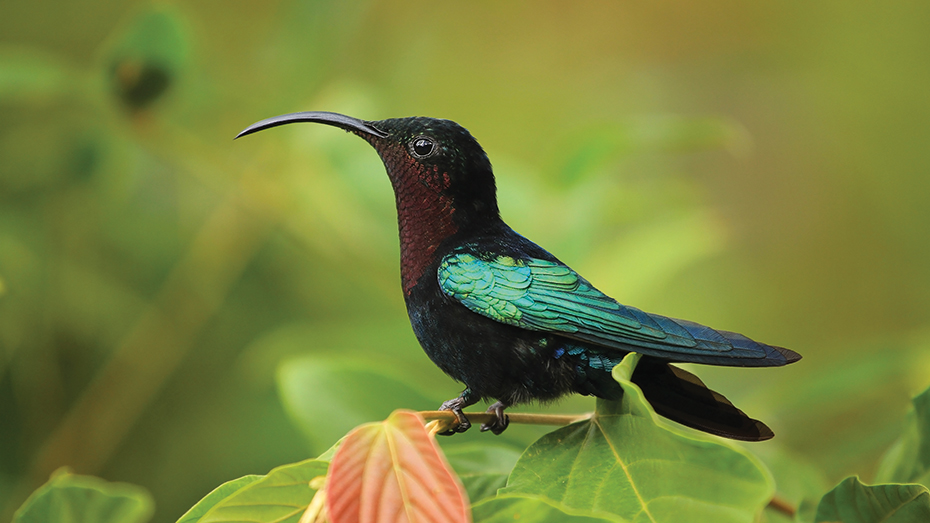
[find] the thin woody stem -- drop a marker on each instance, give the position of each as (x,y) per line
(526,419)
(779,504)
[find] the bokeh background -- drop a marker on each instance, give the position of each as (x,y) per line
(178,309)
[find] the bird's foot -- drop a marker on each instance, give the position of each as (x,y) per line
(500,421)
(462,424)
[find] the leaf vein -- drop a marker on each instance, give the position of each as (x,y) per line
(626,471)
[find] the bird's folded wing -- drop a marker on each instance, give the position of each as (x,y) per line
(548,296)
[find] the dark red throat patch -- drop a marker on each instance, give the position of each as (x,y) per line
(424,213)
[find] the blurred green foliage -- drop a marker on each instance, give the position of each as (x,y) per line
(853,502)
(72,498)
(758,167)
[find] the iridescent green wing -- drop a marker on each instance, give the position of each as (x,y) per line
(548,296)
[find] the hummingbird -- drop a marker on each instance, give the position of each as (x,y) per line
(508,319)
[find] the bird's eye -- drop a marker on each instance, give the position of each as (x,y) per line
(422,147)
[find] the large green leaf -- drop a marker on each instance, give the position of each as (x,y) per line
(625,464)
(525,510)
(482,467)
(282,496)
(216,496)
(908,460)
(70,498)
(853,502)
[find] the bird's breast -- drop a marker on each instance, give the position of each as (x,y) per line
(494,360)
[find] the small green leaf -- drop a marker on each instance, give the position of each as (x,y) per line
(908,460)
(85,499)
(327,399)
(627,464)
(483,468)
(853,502)
(524,510)
(282,496)
(217,495)
(147,58)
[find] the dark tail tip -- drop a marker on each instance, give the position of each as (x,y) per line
(790,355)
(681,396)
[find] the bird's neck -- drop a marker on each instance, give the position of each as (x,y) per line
(424,219)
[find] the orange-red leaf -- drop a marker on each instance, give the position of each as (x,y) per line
(393,472)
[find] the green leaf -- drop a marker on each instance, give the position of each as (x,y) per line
(217,495)
(157,33)
(327,399)
(524,510)
(148,57)
(77,499)
(483,468)
(853,502)
(908,460)
(282,496)
(627,464)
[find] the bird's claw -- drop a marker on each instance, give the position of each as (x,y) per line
(500,422)
(461,424)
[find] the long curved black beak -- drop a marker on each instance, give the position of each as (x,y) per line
(335,119)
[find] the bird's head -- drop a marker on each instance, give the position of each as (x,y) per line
(426,158)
